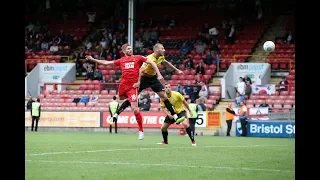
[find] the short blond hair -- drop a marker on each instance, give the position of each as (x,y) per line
(156,46)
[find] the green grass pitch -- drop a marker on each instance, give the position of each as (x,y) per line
(101,156)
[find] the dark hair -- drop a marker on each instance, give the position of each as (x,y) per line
(114,98)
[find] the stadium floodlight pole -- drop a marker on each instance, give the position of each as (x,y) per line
(131,23)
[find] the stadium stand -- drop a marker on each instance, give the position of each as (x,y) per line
(111,35)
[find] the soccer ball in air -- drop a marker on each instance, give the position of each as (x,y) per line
(269,46)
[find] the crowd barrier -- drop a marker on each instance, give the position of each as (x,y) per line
(125,120)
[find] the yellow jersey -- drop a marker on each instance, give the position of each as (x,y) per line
(148,69)
(176,100)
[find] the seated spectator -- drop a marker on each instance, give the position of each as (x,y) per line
(283,81)
(238,99)
(89,73)
(54,48)
(145,105)
(184,49)
(97,75)
(200,69)
(203,93)
(208,59)
(189,63)
(179,88)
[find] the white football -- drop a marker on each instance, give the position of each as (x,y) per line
(269,46)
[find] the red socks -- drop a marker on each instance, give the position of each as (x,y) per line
(139,121)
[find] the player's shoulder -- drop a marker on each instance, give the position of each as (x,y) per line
(175,93)
(150,56)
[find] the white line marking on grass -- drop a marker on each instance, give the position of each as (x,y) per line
(144,149)
(167,165)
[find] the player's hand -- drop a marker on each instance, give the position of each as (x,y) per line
(89,58)
(161,79)
(190,113)
(179,71)
(136,85)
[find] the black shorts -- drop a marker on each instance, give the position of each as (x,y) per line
(172,121)
(151,82)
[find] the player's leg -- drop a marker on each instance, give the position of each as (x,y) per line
(133,98)
(164,129)
(158,88)
(116,126)
(122,95)
(186,126)
(126,103)
(192,122)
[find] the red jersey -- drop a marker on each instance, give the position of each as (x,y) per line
(130,67)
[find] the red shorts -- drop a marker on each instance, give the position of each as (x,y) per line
(126,90)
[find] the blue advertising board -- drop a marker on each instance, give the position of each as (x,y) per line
(277,129)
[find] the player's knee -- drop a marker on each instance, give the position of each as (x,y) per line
(136,110)
(185,125)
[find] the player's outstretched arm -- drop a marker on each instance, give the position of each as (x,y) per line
(90,58)
(166,63)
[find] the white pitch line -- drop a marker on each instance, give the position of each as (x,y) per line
(167,165)
(143,149)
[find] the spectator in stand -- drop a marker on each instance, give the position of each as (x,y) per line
(289,38)
(200,47)
(213,32)
(184,49)
(89,73)
(208,59)
(200,69)
(203,93)
(230,36)
(187,90)
(145,105)
(240,87)
(97,75)
(246,78)
(179,88)
(213,46)
(201,105)
(139,46)
(199,80)
(194,94)
(283,88)
(88,45)
(91,17)
(54,48)
(154,35)
(115,54)
(121,26)
(238,99)
(44,46)
(248,90)
(189,63)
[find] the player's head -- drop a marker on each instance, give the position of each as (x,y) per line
(167,88)
(126,49)
(114,98)
(158,49)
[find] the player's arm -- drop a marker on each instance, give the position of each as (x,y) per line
(185,103)
(155,67)
(166,63)
(90,58)
(165,110)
